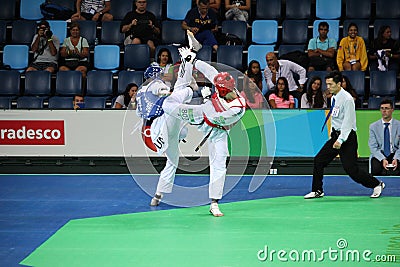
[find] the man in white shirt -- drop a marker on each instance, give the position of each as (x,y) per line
(385,156)
(343,141)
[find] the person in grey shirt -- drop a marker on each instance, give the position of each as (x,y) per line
(343,141)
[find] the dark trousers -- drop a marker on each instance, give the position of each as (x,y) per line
(377,167)
(348,157)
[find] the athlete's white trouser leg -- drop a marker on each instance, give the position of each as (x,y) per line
(218,152)
(209,71)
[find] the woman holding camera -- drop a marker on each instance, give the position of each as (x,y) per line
(45,47)
(75,52)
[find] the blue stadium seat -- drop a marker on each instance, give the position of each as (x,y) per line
(177,9)
(37,83)
(328,9)
(320,74)
(30,9)
(363,28)
(230,55)
(394,26)
(61,102)
(172,33)
(16,56)
(387,9)
(287,48)
(88,30)
(294,31)
(7,11)
(5,102)
(173,49)
(99,83)
(155,7)
(357,80)
(333,28)
(358,9)
(10,83)
(95,102)
(65,3)
(205,53)
(23,31)
(236,27)
(258,52)
(126,77)
(375,102)
(265,31)
(110,33)
(119,8)
(137,56)
(59,29)
(106,57)
(383,83)
(3,32)
(270,9)
(30,102)
(298,9)
(69,83)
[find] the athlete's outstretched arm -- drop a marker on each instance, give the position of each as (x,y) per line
(209,71)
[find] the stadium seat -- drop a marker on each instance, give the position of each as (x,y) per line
(333,28)
(294,31)
(7,11)
(363,28)
(37,83)
(205,53)
(3,32)
(328,9)
(126,77)
(270,9)
(357,80)
(69,83)
(10,83)
(394,26)
(65,3)
(383,83)
(59,29)
(61,102)
(177,9)
(99,83)
(287,48)
(16,56)
(110,33)
(5,102)
(155,7)
(230,55)
(137,56)
(375,102)
(23,31)
(119,8)
(106,57)
(358,9)
(258,52)
(298,9)
(30,102)
(387,9)
(265,31)
(88,30)
(30,9)
(95,102)
(236,27)
(172,33)
(173,49)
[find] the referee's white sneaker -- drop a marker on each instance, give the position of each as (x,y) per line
(214,210)
(378,190)
(316,194)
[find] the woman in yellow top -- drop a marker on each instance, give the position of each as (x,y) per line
(352,53)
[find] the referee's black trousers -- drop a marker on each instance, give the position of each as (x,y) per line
(348,156)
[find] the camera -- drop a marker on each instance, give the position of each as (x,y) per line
(48,34)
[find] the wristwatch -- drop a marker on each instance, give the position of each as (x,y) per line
(101,13)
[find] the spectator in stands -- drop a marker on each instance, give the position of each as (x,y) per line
(281,98)
(214,5)
(96,10)
(129,96)
(237,9)
(385,159)
(75,51)
(314,97)
(321,50)
(254,71)
(164,61)
(78,102)
(141,27)
(202,22)
(352,53)
(45,47)
(284,68)
(252,95)
(346,85)
(384,53)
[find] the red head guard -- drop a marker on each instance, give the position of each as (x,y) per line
(224,83)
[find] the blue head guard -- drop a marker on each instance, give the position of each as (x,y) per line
(152,72)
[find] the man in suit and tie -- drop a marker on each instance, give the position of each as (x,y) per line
(384,142)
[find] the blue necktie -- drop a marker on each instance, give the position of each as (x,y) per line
(386,140)
(329,113)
